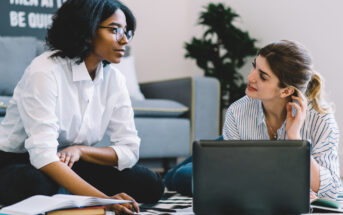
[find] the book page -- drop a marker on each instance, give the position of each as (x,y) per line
(34,205)
(80,201)
(40,203)
(326,209)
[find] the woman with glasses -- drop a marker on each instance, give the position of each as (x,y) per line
(65,102)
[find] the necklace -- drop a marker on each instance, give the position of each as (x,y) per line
(272,133)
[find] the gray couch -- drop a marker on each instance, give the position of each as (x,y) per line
(174,113)
(169,137)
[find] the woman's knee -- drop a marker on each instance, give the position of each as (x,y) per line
(20,181)
(41,183)
(180,176)
(157,188)
(149,184)
(182,180)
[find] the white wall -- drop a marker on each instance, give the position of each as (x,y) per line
(315,23)
(164,26)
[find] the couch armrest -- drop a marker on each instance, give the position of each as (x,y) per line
(179,90)
(199,94)
(206,108)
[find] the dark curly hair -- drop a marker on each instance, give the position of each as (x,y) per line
(76,22)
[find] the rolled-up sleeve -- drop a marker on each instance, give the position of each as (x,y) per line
(36,106)
(325,152)
(122,131)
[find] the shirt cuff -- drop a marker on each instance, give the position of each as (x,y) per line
(325,181)
(42,157)
(126,158)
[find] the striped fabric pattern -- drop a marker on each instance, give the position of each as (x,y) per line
(245,120)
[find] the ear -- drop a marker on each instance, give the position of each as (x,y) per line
(287,91)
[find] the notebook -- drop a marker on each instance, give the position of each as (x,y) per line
(251,177)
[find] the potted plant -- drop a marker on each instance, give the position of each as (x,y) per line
(222,50)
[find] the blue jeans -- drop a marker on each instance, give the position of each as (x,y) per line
(180,177)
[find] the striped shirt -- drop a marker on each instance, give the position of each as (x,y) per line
(245,120)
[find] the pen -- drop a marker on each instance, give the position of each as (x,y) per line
(160,209)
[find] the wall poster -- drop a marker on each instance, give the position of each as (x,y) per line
(27,17)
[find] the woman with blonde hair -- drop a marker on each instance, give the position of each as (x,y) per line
(284,101)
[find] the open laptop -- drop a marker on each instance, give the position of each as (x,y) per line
(251,177)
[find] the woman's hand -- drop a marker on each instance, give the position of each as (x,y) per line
(312,196)
(70,155)
(127,208)
(294,123)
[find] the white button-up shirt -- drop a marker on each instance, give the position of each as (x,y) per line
(56,104)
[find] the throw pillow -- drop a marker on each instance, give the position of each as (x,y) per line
(16,53)
(158,108)
(127,68)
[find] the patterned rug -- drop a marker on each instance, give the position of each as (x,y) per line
(171,203)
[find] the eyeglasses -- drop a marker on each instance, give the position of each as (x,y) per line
(119,33)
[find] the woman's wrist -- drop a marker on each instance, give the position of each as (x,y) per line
(294,136)
(83,151)
(99,155)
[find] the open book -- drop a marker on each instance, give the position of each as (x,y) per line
(41,204)
(327,204)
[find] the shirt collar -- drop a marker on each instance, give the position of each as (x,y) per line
(261,119)
(99,75)
(260,115)
(80,72)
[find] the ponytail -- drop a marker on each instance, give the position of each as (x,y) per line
(314,91)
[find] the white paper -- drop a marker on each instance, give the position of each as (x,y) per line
(39,203)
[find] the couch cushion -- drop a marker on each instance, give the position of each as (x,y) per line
(16,53)
(128,69)
(163,137)
(158,107)
(4,101)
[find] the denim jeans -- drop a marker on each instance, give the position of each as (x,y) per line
(180,177)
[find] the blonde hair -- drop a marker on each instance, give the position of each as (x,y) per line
(314,93)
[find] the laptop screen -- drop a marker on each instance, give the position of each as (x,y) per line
(251,177)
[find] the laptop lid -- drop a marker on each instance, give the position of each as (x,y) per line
(251,177)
